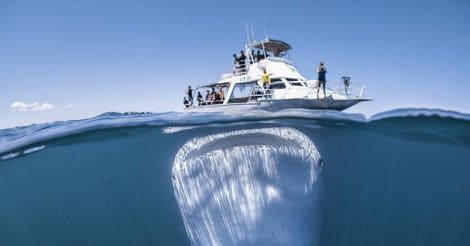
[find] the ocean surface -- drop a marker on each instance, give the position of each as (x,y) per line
(295,177)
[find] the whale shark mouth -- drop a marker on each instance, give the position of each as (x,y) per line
(247,187)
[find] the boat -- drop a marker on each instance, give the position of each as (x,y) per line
(243,89)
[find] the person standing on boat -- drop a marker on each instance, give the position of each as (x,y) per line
(321,79)
(266,79)
(242,62)
(190,95)
(236,66)
(259,57)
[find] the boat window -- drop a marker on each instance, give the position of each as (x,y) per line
(291,79)
(295,83)
(276,80)
(242,92)
(277,86)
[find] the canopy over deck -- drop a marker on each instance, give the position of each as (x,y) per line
(213,85)
(273,45)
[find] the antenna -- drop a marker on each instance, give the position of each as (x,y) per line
(265,33)
(252,33)
(247,33)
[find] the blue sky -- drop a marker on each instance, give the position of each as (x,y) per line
(73,59)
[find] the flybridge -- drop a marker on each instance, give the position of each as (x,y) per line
(266,48)
(277,47)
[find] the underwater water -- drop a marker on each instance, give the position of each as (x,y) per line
(295,177)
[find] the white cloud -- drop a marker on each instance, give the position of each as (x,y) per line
(23,107)
(70,106)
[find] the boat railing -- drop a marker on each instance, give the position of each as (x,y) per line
(349,90)
(266,93)
(240,71)
(353,90)
(209,102)
(258,92)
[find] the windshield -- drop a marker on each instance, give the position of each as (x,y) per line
(277,86)
(242,92)
(296,84)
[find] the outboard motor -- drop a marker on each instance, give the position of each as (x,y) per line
(346,82)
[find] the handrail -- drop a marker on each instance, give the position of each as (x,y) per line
(240,71)
(354,90)
(254,93)
(209,102)
(350,90)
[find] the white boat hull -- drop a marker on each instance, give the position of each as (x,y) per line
(280,104)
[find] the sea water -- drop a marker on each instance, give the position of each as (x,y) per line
(296,177)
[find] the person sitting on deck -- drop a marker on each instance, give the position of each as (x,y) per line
(200,100)
(213,96)
(221,94)
(217,98)
(208,97)
(186,102)
(266,79)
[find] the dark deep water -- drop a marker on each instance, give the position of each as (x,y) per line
(392,181)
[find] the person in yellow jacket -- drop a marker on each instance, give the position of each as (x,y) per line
(266,79)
